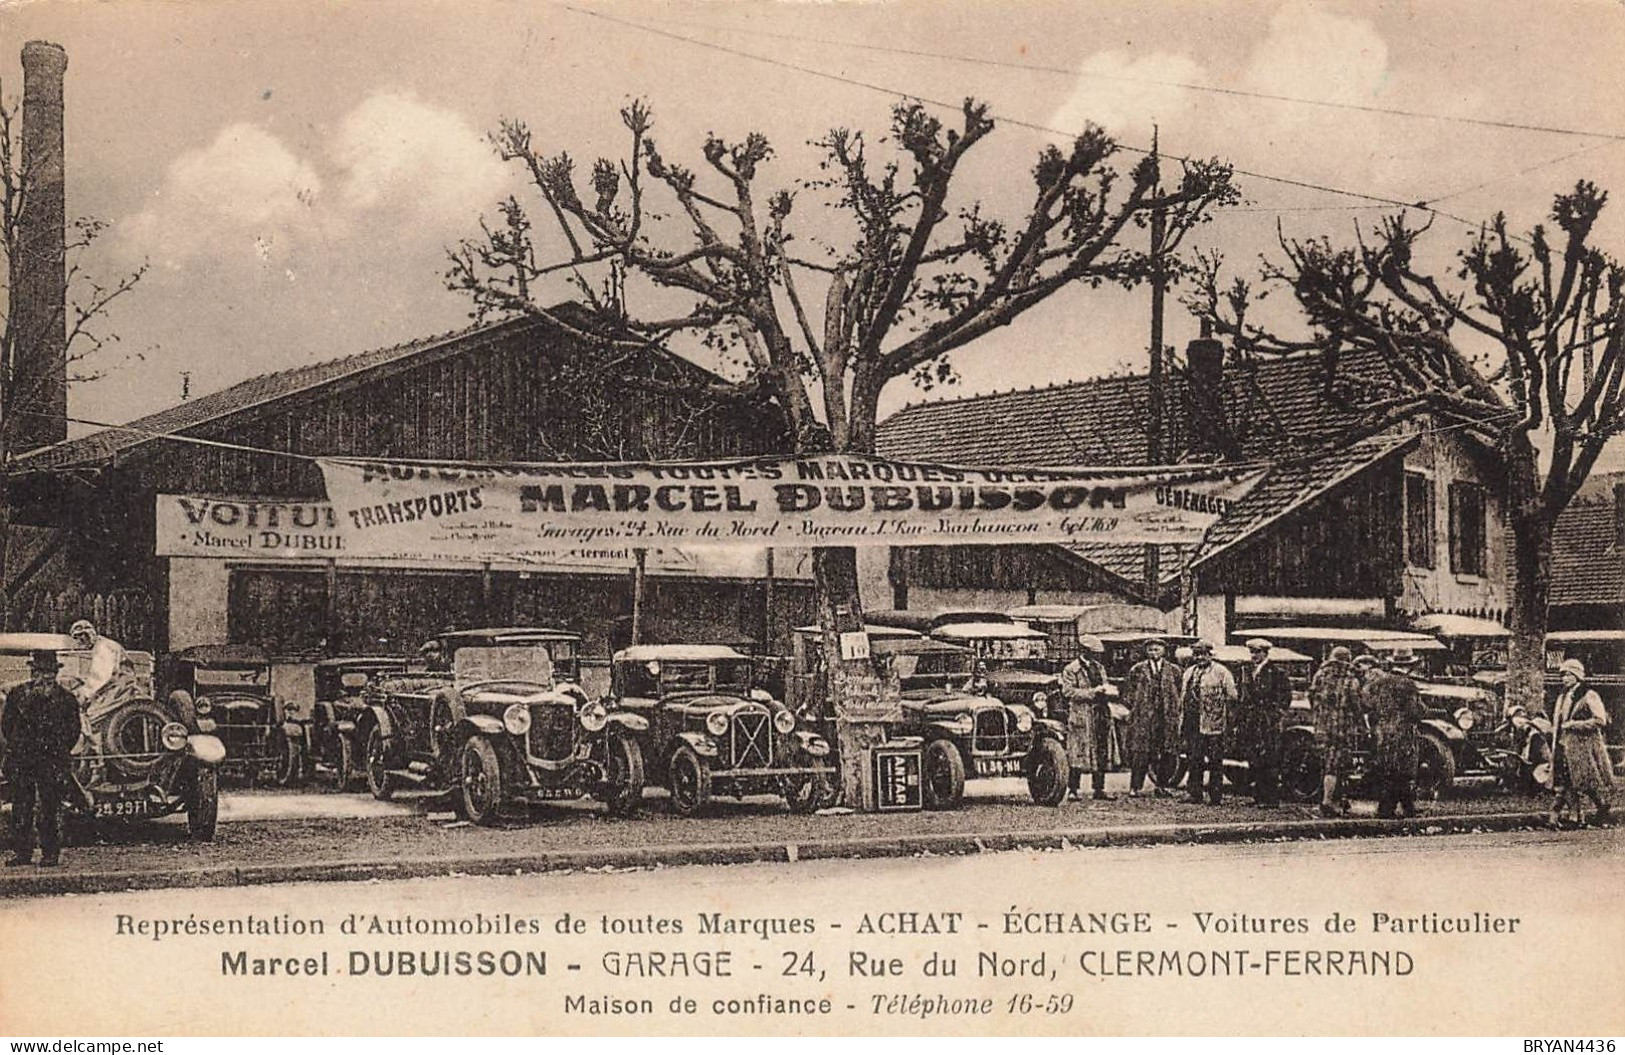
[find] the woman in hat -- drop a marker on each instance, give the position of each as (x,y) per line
(1580,764)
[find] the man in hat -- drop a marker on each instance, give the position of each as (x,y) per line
(1395,706)
(1151,693)
(1208,693)
(40,727)
(1334,694)
(1088,717)
(1266,698)
(106,676)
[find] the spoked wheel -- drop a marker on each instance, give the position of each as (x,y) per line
(690,782)
(1300,771)
(1048,773)
(480,793)
(623,776)
(290,762)
(1435,770)
(944,776)
(341,756)
(379,780)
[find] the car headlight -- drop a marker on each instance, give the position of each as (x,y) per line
(784,721)
(516,719)
(173,736)
(1040,698)
(716,723)
(1024,720)
(202,705)
(1466,718)
(594,716)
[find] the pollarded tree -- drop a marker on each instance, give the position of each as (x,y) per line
(898,273)
(1524,344)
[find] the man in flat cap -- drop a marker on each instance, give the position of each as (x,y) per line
(1335,696)
(1266,699)
(40,727)
(1208,692)
(1088,717)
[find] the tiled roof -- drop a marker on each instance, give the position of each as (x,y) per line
(1276,406)
(98,447)
(1587,565)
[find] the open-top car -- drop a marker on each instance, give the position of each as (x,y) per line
(498,717)
(334,738)
(711,731)
(141,758)
(230,685)
(1011,659)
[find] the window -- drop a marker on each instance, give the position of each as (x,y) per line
(1467,535)
(1419,541)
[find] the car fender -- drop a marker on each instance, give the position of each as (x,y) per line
(703,745)
(812,743)
(487,724)
(1445,730)
(205,749)
(296,731)
(1051,726)
(632,723)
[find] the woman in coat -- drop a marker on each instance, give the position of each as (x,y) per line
(1580,764)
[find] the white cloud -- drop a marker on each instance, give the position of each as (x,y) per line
(1312,54)
(398,153)
(244,195)
(1125,95)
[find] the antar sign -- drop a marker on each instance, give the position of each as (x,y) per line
(438,509)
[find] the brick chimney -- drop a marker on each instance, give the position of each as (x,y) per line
(1204,396)
(39,391)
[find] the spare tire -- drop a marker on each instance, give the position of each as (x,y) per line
(133,738)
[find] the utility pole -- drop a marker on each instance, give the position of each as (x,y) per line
(1157,380)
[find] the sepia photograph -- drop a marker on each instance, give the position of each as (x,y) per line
(772,518)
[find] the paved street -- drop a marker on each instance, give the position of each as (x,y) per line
(1542,886)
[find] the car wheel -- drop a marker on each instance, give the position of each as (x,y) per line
(623,776)
(133,739)
(1435,769)
(1300,770)
(379,780)
(290,764)
(344,768)
(944,776)
(1167,770)
(480,791)
(203,812)
(809,792)
(1047,773)
(690,781)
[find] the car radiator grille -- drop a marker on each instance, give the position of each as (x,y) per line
(552,731)
(993,731)
(750,740)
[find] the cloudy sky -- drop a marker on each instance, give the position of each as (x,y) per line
(292,172)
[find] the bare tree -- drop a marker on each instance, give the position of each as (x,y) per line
(1544,318)
(82,318)
(893,277)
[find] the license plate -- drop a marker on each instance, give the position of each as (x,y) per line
(122,808)
(998,767)
(554,794)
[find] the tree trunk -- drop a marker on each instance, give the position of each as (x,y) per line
(840,610)
(1529,576)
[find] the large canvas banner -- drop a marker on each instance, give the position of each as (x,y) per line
(428,509)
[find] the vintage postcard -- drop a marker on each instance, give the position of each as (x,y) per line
(910,518)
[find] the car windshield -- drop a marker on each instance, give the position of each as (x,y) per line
(531,663)
(205,678)
(729,676)
(1008,651)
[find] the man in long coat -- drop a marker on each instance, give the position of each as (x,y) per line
(1335,696)
(1151,694)
(1088,717)
(41,725)
(1208,693)
(1266,699)
(1395,706)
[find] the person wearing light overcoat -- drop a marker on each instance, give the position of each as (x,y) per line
(1580,763)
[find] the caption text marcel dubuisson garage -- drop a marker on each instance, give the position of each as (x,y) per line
(1026,959)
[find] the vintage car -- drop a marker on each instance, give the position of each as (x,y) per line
(966,732)
(711,731)
(1013,660)
(498,717)
(1452,710)
(230,685)
(334,739)
(144,758)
